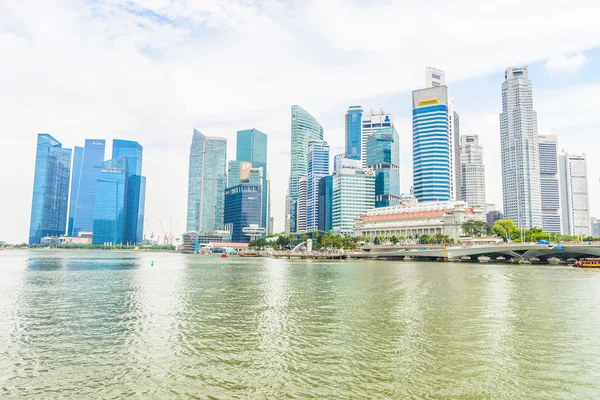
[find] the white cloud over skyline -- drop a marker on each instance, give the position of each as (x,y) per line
(153,71)
(566,64)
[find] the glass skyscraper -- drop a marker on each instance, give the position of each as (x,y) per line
(136,189)
(318,167)
(50,189)
(325,203)
(242,208)
(431,147)
(75,175)
(110,202)
(207,180)
(304,128)
(354,132)
(251,145)
(383,156)
(91,169)
(239,172)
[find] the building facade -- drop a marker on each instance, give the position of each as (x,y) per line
(472,171)
(193,242)
(302,205)
(75,175)
(383,157)
(337,161)
(326,203)
(574,192)
(549,184)
(242,208)
(206,183)
(49,204)
(353,143)
(304,129)
(353,194)
(286,222)
(251,146)
(444,217)
(372,121)
(111,202)
(431,144)
(519,150)
(318,167)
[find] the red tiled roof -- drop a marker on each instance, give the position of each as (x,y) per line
(408,215)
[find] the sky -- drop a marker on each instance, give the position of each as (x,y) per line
(154,70)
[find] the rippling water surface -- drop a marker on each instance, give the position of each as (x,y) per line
(111,325)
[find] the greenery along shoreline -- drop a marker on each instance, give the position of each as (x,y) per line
(4,245)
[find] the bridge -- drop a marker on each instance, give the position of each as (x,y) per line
(506,252)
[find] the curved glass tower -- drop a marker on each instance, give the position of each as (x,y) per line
(304,128)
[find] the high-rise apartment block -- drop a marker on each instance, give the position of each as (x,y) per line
(519,150)
(549,184)
(574,192)
(472,171)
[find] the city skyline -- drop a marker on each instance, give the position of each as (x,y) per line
(183,95)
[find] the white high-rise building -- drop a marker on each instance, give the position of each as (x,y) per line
(574,194)
(549,184)
(301,205)
(287,214)
(434,78)
(472,171)
(372,121)
(353,194)
(519,151)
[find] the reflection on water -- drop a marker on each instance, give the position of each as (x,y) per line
(93,325)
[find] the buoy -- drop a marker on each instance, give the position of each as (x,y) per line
(152,265)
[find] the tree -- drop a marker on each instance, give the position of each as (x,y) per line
(475,228)
(395,239)
(506,229)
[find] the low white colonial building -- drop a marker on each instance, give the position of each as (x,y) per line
(445,217)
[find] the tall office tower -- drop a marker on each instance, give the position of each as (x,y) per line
(50,189)
(549,184)
(353,193)
(325,203)
(75,175)
(434,77)
(271,220)
(206,183)
(91,168)
(251,146)
(373,121)
(472,171)
(336,161)
(431,144)
(136,189)
(304,129)
(301,205)
(574,194)
(288,202)
(383,157)
(318,167)
(238,172)
(354,132)
(519,151)
(242,208)
(110,202)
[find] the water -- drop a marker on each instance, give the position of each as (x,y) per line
(110,325)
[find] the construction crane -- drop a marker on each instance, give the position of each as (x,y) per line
(163,232)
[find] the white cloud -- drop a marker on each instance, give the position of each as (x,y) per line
(566,64)
(153,70)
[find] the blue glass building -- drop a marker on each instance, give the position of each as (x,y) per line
(251,146)
(242,208)
(318,167)
(353,132)
(325,203)
(431,148)
(91,169)
(110,202)
(50,189)
(75,175)
(136,189)
(383,156)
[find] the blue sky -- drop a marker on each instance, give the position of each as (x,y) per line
(154,70)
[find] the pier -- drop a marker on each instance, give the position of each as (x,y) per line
(309,256)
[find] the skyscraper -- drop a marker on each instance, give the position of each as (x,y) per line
(75,175)
(472,171)
(353,193)
(434,77)
(110,202)
(251,145)
(325,203)
(206,183)
(574,193)
(136,189)
(372,121)
(238,172)
(301,205)
(318,167)
(288,202)
(304,128)
(549,184)
(91,169)
(337,161)
(50,189)
(431,144)
(242,208)
(383,157)
(354,132)
(519,150)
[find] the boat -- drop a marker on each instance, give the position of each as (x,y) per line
(587,263)
(223,255)
(249,253)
